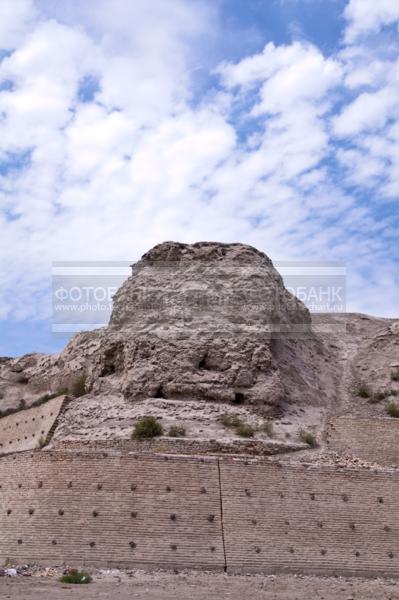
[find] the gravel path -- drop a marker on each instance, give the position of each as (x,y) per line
(199,586)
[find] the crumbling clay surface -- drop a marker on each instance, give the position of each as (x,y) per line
(204,329)
(193,322)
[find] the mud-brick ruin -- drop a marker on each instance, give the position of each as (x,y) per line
(285,457)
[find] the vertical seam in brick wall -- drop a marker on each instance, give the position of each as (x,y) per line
(221,517)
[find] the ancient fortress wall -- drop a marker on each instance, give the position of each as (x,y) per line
(58,507)
(24,430)
(374,440)
(206,513)
(315,520)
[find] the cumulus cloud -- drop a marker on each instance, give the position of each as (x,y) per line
(368,111)
(291,85)
(369,16)
(45,71)
(105,150)
(368,118)
(289,74)
(16,18)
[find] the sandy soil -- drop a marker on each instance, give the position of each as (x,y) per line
(199,586)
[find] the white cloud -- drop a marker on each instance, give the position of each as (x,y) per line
(186,149)
(149,49)
(368,111)
(363,169)
(92,136)
(370,73)
(291,84)
(369,16)
(16,18)
(45,71)
(139,160)
(291,73)
(369,120)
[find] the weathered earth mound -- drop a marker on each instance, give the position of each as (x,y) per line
(196,321)
(192,322)
(201,330)
(207,289)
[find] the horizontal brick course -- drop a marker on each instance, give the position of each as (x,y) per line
(310,521)
(374,440)
(24,430)
(111,511)
(150,510)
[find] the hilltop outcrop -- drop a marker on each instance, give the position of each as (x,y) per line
(192,322)
(198,330)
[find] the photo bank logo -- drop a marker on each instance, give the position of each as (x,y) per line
(321,286)
(82,293)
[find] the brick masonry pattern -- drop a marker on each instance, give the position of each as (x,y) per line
(374,440)
(152,510)
(24,430)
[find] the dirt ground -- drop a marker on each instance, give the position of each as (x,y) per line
(191,585)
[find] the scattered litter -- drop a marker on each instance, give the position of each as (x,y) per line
(10,572)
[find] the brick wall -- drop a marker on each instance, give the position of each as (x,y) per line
(321,521)
(116,510)
(144,510)
(374,440)
(23,430)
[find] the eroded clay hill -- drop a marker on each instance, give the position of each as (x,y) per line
(202,330)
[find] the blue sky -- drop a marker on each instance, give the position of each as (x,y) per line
(124,124)
(319,22)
